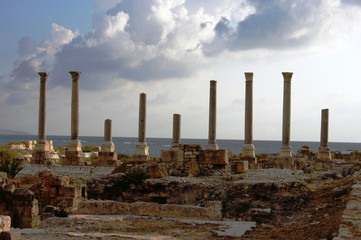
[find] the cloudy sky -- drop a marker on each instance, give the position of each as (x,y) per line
(170,49)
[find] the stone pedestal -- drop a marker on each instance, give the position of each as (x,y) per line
(324,153)
(41,154)
(172,155)
(107,159)
(239,166)
(248,151)
(214,157)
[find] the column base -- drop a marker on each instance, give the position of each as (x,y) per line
(107,146)
(141,151)
(285,162)
(212,146)
(172,155)
(248,150)
(74,146)
(286,152)
(73,158)
(107,159)
(41,157)
(324,153)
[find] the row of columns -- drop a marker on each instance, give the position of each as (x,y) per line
(73,153)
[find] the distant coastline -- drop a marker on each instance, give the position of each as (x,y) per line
(12,132)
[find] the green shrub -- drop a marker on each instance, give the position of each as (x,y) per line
(90,148)
(60,213)
(124,157)
(135,176)
(11,167)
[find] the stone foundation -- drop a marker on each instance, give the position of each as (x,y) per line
(285,162)
(214,157)
(73,158)
(41,157)
(239,166)
(107,159)
(172,155)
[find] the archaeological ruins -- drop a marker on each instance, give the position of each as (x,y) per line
(211,192)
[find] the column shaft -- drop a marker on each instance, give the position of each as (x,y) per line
(176,130)
(75,105)
(108,130)
(142,118)
(42,107)
(248,121)
(324,128)
(212,116)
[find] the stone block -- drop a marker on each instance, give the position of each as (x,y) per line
(73,158)
(215,157)
(157,171)
(10,235)
(69,191)
(172,155)
(5,223)
(239,166)
(285,162)
(193,169)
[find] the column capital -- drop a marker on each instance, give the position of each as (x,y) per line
(43,75)
(249,76)
(75,75)
(287,76)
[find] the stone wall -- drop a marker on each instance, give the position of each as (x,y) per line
(78,171)
(350,226)
(212,211)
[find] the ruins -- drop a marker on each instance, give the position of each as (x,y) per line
(209,191)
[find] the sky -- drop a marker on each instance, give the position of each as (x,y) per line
(170,50)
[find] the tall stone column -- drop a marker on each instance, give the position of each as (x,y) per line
(324,152)
(141,149)
(286,149)
(107,157)
(212,131)
(248,149)
(176,130)
(41,153)
(74,152)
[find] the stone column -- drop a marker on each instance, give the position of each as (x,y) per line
(286,149)
(176,130)
(324,152)
(107,157)
(212,145)
(74,152)
(141,149)
(108,145)
(41,153)
(248,149)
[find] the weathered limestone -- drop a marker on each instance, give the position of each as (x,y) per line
(324,152)
(176,131)
(107,157)
(285,159)
(141,149)
(212,145)
(286,149)
(41,153)
(248,149)
(73,155)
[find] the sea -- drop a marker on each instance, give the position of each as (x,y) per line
(126,145)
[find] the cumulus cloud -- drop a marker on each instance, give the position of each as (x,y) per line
(148,40)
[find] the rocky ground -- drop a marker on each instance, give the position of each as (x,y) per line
(269,203)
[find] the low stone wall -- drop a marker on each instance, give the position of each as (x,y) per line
(350,226)
(212,211)
(79,171)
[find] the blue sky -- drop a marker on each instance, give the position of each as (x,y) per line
(170,49)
